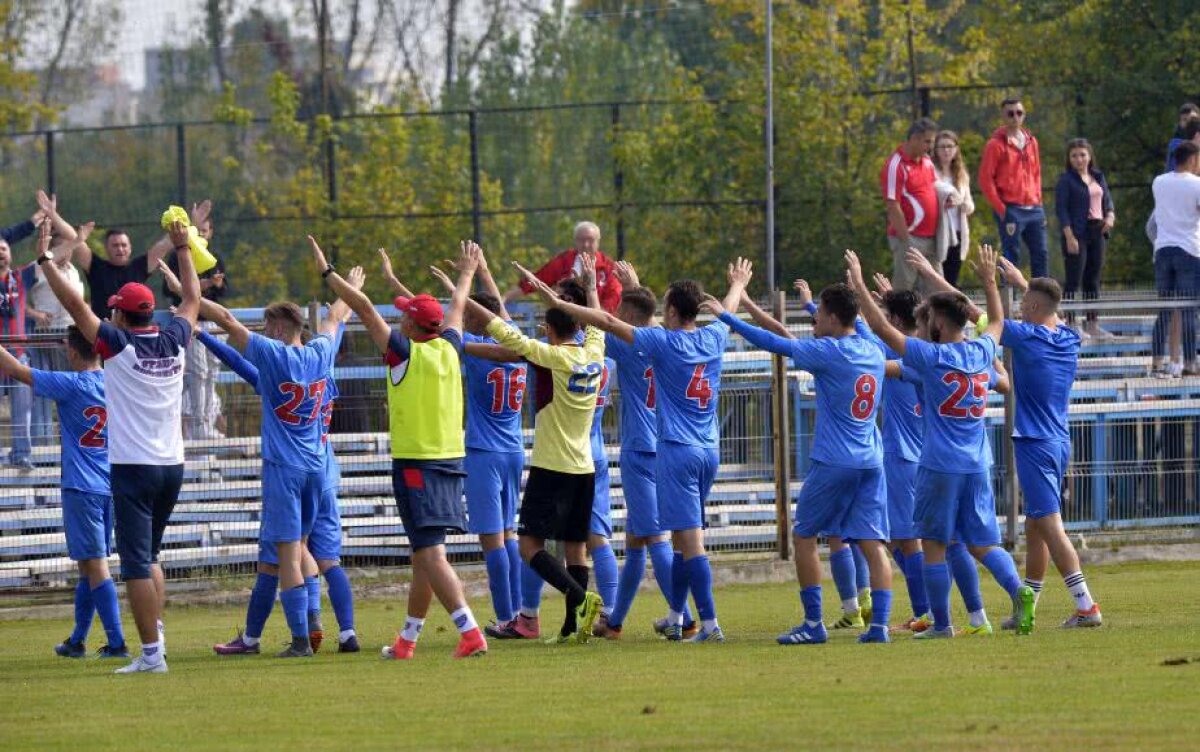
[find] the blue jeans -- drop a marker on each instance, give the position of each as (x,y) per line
(1176,274)
(1024,224)
(45,357)
(21,405)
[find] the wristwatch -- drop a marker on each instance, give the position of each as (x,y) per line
(328,270)
(46,256)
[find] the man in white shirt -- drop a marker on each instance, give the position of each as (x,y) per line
(1177,251)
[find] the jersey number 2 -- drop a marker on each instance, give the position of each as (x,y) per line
(962,383)
(94,438)
(295,394)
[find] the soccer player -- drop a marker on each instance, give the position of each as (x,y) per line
(954,493)
(495,455)
(844,489)
(561,486)
(425,420)
(687,363)
(143,384)
(604,561)
(86,494)
(1045,354)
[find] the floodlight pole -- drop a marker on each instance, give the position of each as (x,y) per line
(769,135)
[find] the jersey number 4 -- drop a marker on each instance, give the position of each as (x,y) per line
(953,407)
(295,397)
(699,388)
(94,438)
(508,390)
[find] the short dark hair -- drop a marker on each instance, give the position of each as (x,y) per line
(138,319)
(1011,100)
(642,301)
(114,231)
(561,323)
(952,305)
(1184,151)
(841,301)
(286,313)
(1189,107)
(572,291)
(684,296)
(1047,286)
(488,301)
(903,305)
(923,125)
(1192,128)
(79,343)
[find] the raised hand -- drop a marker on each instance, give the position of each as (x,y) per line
(172,281)
(740,272)
(712,305)
(541,288)
(469,254)
(882,284)
(1012,275)
(178,234)
(587,265)
(317,254)
(803,290)
(199,213)
(917,261)
(386,262)
(44,231)
(443,278)
(985,265)
(626,274)
(84,231)
(854,275)
(356,278)
(47,204)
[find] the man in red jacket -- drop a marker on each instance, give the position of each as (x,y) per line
(568,264)
(1010,176)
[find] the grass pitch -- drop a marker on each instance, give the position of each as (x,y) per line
(1099,689)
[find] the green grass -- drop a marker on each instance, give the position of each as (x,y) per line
(1100,689)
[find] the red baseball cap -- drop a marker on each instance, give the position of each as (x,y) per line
(133,297)
(424,310)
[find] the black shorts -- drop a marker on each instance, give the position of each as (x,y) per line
(143,497)
(557,506)
(429,497)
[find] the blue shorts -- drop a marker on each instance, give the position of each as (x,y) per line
(601,523)
(493,487)
(641,494)
(901,476)
(289,505)
(88,524)
(143,498)
(952,506)
(683,477)
(1041,467)
(849,502)
(429,497)
(325,540)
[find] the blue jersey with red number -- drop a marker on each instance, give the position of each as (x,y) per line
(292,382)
(495,393)
(849,374)
(687,380)
(602,400)
(955,378)
(903,429)
(635,382)
(82,417)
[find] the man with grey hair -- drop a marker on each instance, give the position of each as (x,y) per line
(908,179)
(569,264)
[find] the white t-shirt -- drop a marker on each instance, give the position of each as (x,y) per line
(42,298)
(1177,211)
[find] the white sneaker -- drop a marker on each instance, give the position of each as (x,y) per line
(140,665)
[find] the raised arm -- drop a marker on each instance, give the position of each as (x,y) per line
(70,247)
(468,262)
(1003,383)
(762,318)
(377,328)
(985,268)
(14,368)
(1012,275)
(871,312)
(48,205)
(230,357)
(397,285)
(586,316)
(760,338)
(487,351)
(936,282)
(588,267)
(339,312)
(739,274)
(71,299)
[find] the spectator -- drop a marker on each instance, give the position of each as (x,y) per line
(568,264)
(1187,111)
(908,178)
(1177,251)
(1189,132)
(1084,207)
(1010,176)
(954,198)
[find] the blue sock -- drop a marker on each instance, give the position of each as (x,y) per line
(498,583)
(966,576)
(627,586)
(85,609)
(514,573)
(341,597)
(699,578)
(104,596)
(660,557)
(531,587)
(1000,563)
(937,583)
(881,608)
(810,598)
(898,555)
(295,608)
(679,583)
(914,578)
(262,601)
(841,564)
(312,585)
(862,573)
(604,565)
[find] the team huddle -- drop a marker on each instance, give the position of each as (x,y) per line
(918,489)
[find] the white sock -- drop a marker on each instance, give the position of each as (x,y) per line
(152,652)
(530,613)
(412,628)
(978,618)
(464,620)
(708,624)
(674,618)
(850,606)
(1036,587)
(344,635)
(1077,585)
(250,641)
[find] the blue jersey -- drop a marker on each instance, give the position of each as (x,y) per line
(635,380)
(903,429)
(849,375)
(82,416)
(602,400)
(955,378)
(687,380)
(1044,362)
(292,382)
(495,393)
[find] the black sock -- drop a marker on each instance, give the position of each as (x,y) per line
(580,574)
(552,571)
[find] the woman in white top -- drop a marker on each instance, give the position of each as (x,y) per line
(954,194)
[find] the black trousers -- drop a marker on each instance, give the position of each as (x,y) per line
(953,264)
(1083,269)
